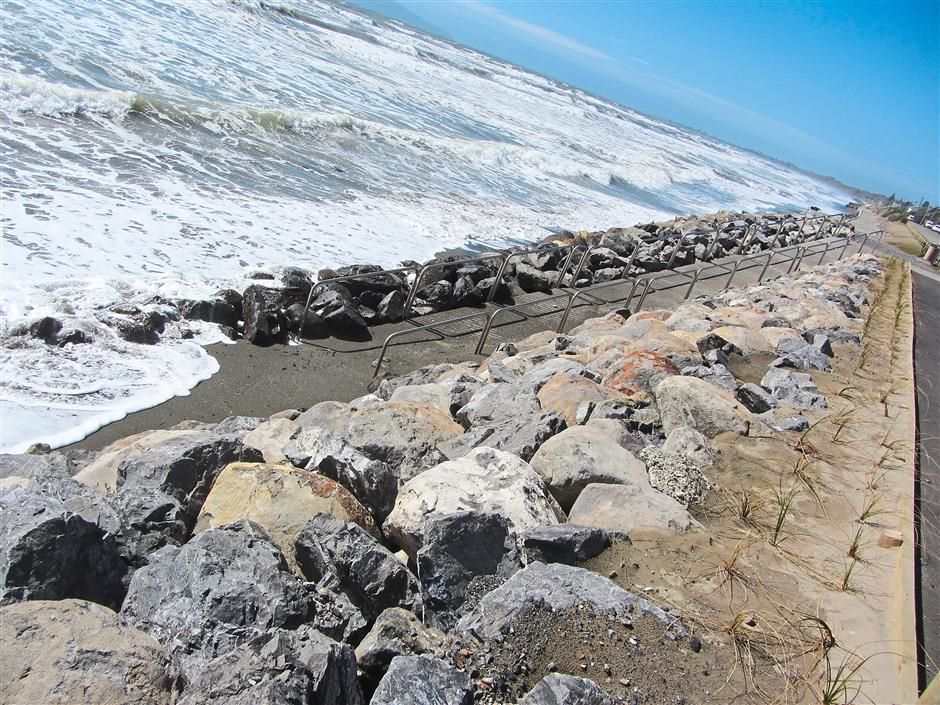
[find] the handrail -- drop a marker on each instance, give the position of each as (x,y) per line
(506,309)
(647,280)
(417,329)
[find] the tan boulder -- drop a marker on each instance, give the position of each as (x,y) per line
(270,438)
(73,651)
(628,508)
(331,415)
(432,394)
(281,499)
(774,334)
(748,340)
(566,391)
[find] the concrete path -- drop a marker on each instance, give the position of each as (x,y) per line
(929,235)
(927,379)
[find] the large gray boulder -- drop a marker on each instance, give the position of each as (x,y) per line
(628,508)
(562,689)
(555,587)
(223,588)
(689,401)
(301,667)
(487,480)
(179,465)
(397,632)
(422,680)
(404,434)
(580,455)
(50,553)
(369,573)
(73,651)
(506,416)
(465,555)
(564,543)
(372,482)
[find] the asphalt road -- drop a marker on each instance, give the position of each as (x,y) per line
(927,378)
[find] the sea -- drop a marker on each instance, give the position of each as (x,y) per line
(174,147)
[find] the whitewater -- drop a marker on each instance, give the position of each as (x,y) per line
(169,149)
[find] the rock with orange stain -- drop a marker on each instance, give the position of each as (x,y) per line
(637,373)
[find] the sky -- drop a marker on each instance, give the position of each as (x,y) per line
(845,89)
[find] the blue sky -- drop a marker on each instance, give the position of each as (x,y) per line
(848,89)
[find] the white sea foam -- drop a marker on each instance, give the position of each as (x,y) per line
(174,147)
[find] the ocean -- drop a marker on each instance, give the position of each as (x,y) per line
(172,148)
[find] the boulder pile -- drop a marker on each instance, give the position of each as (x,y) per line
(350,300)
(386,550)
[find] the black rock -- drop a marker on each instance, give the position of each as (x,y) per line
(440,295)
(531,279)
(265,321)
(46,329)
(713,341)
(224,588)
(306,326)
(564,543)
(73,336)
(391,308)
(217,311)
(756,399)
(466,293)
(459,548)
(422,680)
(50,553)
(296,278)
(503,290)
(370,575)
(281,668)
(336,308)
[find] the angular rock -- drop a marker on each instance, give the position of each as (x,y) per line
(580,455)
(538,376)
(565,392)
(422,680)
(689,401)
(270,437)
(372,482)
(72,651)
(675,476)
(403,434)
(391,308)
(371,576)
(556,587)
(224,588)
(284,666)
(397,632)
(263,311)
(796,388)
(628,508)
(494,402)
(50,553)
(336,308)
(461,552)
(485,479)
(519,435)
(531,279)
(755,398)
(800,355)
(793,423)
(564,543)
(280,499)
(562,689)
(716,374)
(182,465)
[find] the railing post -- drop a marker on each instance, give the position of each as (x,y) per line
(770,256)
(584,259)
(848,240)
(734,270)
(675,251)
(414,289)
(499,277)
(862,246)
(711,245)
(881,234)
(803,224)
(825,251)
(688,292)
(747,238)
(646,290)
(564,268)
